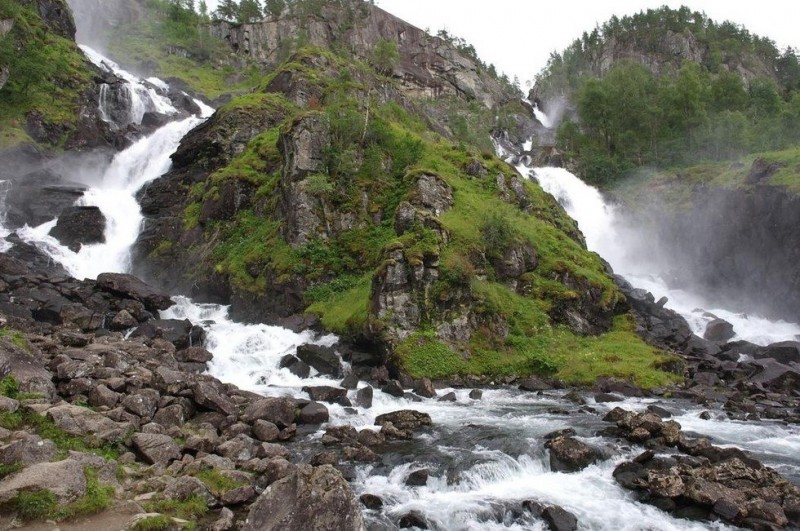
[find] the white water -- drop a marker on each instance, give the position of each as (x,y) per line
(113,190)
(143,96)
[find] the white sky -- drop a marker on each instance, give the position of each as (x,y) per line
(517,36)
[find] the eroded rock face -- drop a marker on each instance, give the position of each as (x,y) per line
(316,499)
(427,66)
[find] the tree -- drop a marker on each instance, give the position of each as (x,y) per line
(228,10)
(249,11)
(274,8)
(728,92)
(385,56)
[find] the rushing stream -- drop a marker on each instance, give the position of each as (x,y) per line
(484,456)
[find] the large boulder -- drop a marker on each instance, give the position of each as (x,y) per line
(80,225)
(323,359)
(571,455)
(65,479)
(719,330)
(129,286)
(312,499)
(84,422)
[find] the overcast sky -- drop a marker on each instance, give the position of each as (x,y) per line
(518,35)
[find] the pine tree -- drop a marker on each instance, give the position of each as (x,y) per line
(228,10)
(249,11)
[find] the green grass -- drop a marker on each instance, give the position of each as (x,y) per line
(344,312)
(46,429)
(192,508)
(43,504)
(217,482)
(16,337)
(154,523)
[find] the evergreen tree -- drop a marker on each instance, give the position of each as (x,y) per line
(274,8)
(228,10)
(249,11)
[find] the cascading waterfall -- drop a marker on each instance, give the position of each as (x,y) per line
(113,189)
(4,189)
(143,96)
(609,236)
(485,456)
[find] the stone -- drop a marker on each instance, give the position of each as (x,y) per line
(393,388)
(559,519)
(294,365)
(83,422)
(194,355)
(406,419)
(364,397)
(350,381)
(123,320)
(368,437)
(65,479)
(279,411)
(314,413)
(448,397)
(102,396)
(371,501)
(238,495)
(607,397)
(265,431)
(571,455)
(534,384)
(78,226)
(323,359)
(326,393)
(128,286)
(207,396)
(424,388)
(316,499)
(28,450)
(143,403)
(418,478)
(155,448)
(476,394)
(224,522)
(241,448)
(170,416)
(719,330)
(413,519)
(185,487)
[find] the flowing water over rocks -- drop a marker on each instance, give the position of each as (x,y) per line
(459,459)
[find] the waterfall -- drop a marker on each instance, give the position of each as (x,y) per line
(113,189)
(608,234)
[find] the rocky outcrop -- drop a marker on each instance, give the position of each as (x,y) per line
(427,66)
(78,226)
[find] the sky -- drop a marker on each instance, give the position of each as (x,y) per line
(517,36)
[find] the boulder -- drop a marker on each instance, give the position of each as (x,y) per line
(418,478)
(719,330)
(265,431)
(155,448)
(406,419)
(181,333)
(393,388)
(314,413)
(423,387)
(279,411)
(27,450)
(295,366)
(323,359)
(65,479)
(207,396)
(782,352)
(84,422)
(79,225)
(571,455)
(129,286)
(364,397)
(314,499)
(326,393)
(559,519)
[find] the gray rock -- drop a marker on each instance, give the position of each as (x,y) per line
(224,522)
(131,287)
(80,421)
(123,320)
(185,487)
(406,419)
(418,478)
(571,455)
(155,448)
(79,225)
(103,396)
(423,387)
(314,413)
(209,397)
(326,393)
(719,330)
(317,499)
(28,450)
(323,359)
(170,416)
(393,388)
(364,397)
(241,448)
(143,403)
(265,431)
(194,355)
(279,411)
(559,520)
(65,479)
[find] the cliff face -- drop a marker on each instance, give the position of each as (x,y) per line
(325,193)
(427,66)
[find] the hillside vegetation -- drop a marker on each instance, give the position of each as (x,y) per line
(671,87)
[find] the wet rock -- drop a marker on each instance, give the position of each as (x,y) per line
(294,365)
(308,498)
(406,419)
(448,397)
(559,519)
(364,397)
(325,393)
(571,455)
(194,355)
(314,413)
(476,394)
(131,287)
(564,432)
(413,519)
(350,382)
(123,320)
(660,411)
(534,384)
(368,437)
(782,352)
(719,330)
(424,388)
(155,448)
(607,397)
(323,359)
(393,388)
(79,225)
(418,478)
(371,501)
